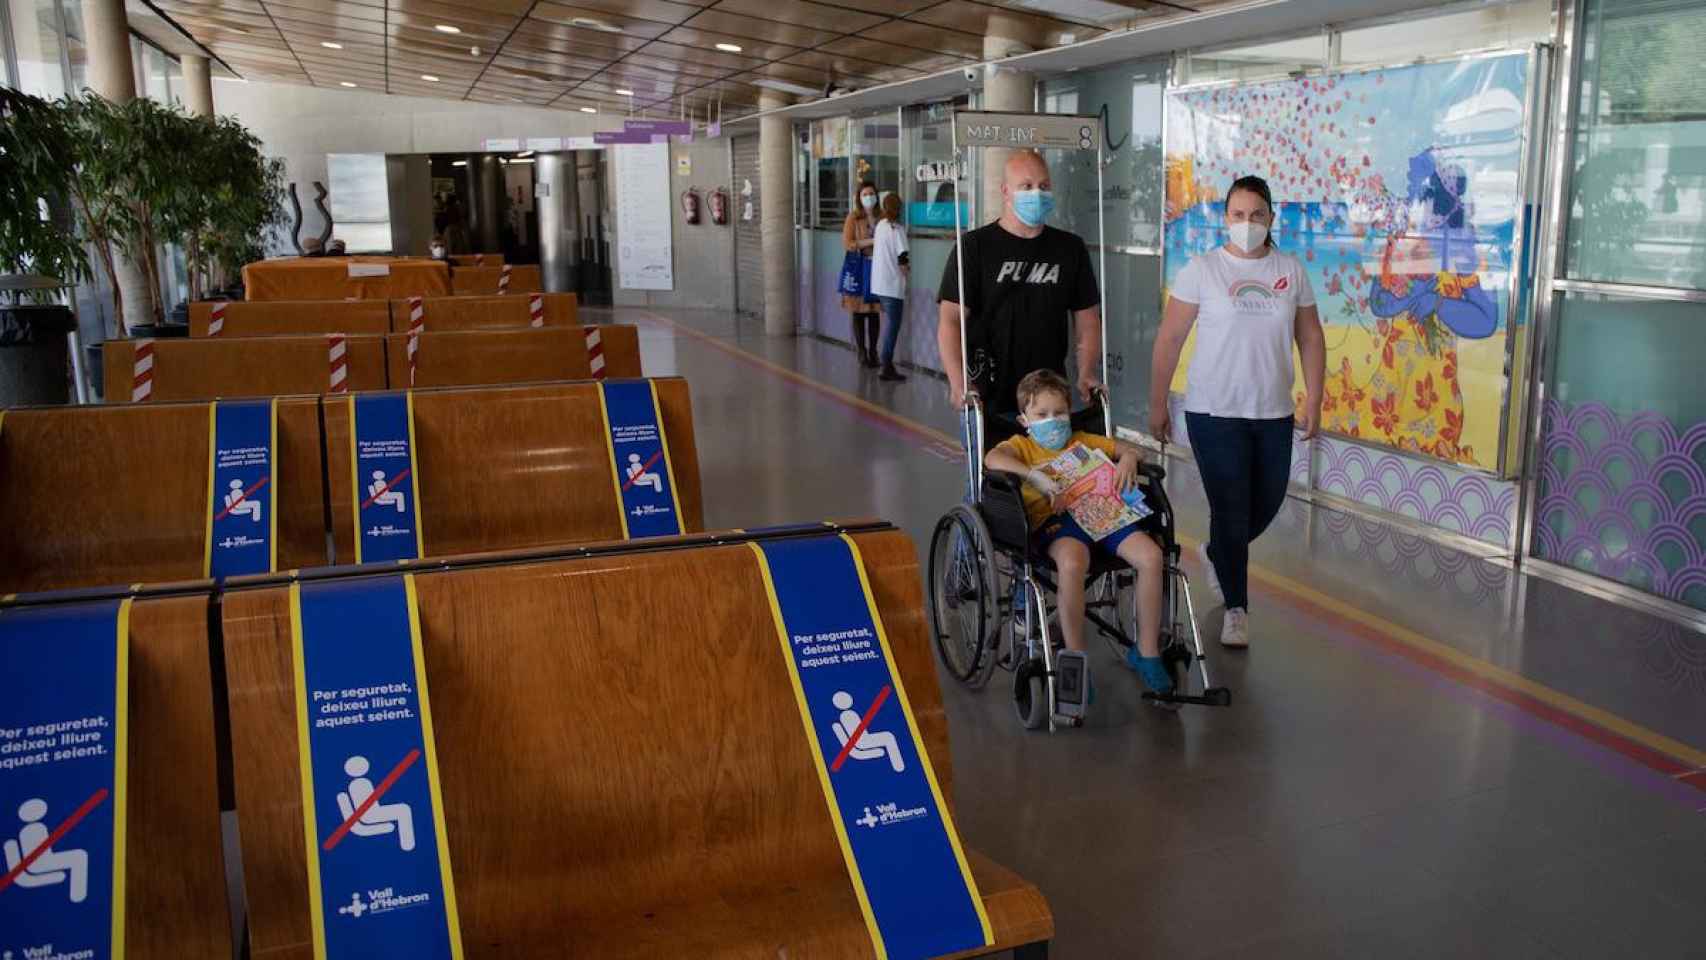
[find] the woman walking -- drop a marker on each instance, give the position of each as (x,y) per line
(1250,303)
(889,273)
(858,233)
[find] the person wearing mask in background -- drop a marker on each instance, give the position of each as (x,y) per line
(1250,303)
(313,247)
(859,233)
(889,273)
(1027,285)
(436,248)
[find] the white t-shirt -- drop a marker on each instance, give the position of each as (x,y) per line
(1246,313)
(886,278)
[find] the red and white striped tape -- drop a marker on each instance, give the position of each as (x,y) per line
(503,279)
(536,310)
(479,258)
(216,320)
(337,354)
(142,375)
(417,323)
(595,352)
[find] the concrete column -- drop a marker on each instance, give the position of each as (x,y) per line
(776,214)
(112,74)
(106,37)
(1005,90)
(559,221)
(198,86)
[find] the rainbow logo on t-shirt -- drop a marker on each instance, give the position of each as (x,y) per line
(1251,288)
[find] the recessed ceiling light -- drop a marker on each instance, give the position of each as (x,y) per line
(329,45)
(429,78)
(459,163)
(624,93)
(591,24)
(589,109)
(345,83)
(729,47)
(446,28)
(473,51)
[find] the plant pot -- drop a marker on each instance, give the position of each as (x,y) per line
(35,354)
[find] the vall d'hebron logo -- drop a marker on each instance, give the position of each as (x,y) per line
(888,813)
(47,952)
(382,901)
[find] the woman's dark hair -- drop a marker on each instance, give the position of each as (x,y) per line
(1259,187)
(863,186)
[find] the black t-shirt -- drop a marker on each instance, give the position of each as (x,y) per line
(1020,296)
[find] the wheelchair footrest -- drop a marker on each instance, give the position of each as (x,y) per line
(1212,697)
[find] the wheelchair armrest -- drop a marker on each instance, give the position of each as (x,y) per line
(1002,505)
(1153,471)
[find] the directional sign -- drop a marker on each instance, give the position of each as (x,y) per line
(1034,130)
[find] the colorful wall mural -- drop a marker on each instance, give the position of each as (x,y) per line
(1399,189)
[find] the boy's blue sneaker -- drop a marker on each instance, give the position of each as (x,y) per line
(1153,671)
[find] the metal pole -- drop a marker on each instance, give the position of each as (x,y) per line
(1102,281)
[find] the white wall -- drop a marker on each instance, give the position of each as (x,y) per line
(703,252)
(302,124)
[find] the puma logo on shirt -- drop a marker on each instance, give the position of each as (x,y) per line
(1016,270)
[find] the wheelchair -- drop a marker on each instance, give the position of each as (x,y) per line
(991,595)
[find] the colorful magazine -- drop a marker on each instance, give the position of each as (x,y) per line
(1090,487)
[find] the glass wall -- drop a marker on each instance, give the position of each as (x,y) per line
(35,39)
(1620,490)
(832,178)
(1129,99)
(928,140)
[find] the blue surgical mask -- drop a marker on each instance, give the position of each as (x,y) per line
(1032,207)
(1051,433)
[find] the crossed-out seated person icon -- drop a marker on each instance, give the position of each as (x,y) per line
(384,497)
(872,745)
(237,504)
(381,818)
(70,867)
(641,477)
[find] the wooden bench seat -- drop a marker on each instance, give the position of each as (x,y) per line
(209,368)
(482,313)
(274,318)
(623,768)
(483,280)
(99,496)
(525,355)
(506,468)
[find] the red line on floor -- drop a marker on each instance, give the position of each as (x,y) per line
(1638,752)
(59,832)
(864,722)
(372,798)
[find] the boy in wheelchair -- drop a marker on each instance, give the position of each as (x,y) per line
(1045,402)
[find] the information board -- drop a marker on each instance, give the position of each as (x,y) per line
(644,253)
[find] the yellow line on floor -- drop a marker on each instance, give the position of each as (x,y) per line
(1604,719)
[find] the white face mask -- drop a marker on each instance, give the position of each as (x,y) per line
(1248,236)
(438,253)
(868,201)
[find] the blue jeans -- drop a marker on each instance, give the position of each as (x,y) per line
(894,308)
(1245,466)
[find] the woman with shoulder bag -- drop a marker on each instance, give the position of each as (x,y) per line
(858,235)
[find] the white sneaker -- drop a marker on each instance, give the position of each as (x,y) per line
(1208,573)
(1235,629)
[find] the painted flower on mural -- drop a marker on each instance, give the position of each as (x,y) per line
(1385,411)
(1426,397)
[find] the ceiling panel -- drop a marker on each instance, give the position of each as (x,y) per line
(922,37)
(581,52)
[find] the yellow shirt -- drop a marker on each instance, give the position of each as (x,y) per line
(1035,454)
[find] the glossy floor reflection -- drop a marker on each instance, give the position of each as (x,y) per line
(1428,756)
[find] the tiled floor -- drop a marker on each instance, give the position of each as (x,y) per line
(1426,756)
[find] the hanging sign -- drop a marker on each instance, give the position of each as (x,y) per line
(639,458)
(383,474)
(903,853)
(63,728)
(1034,130)
(679,128)
(379,880)
(242,497)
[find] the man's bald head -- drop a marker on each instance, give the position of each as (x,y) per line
(1025,170)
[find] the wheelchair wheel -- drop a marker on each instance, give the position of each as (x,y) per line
(1030,694)
(964,610)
